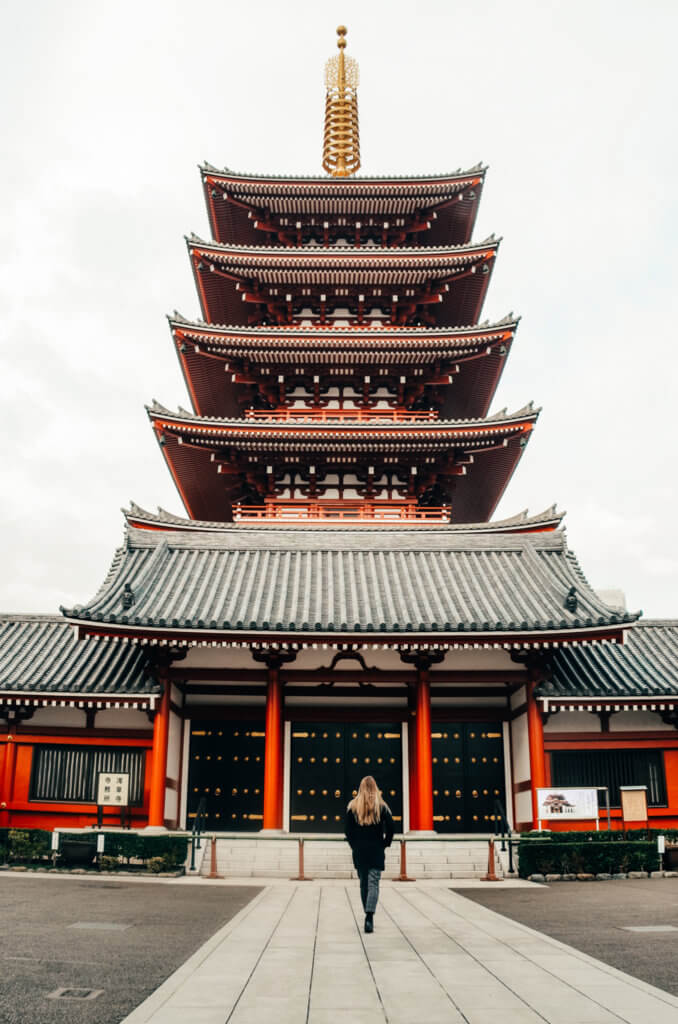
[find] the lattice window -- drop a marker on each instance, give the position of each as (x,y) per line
(612,768)
(69,774)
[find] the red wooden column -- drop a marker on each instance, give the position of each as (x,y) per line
(424,756)
(273,755)
(7,780)
(535,731)
(419,735)
(273,752)
(156,810)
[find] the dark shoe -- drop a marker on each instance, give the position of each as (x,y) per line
(369,923)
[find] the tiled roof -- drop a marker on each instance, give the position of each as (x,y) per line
(353,184)
(242,579)
(499,423)
(295,263)
(645,666)
(41,654)
(550,518)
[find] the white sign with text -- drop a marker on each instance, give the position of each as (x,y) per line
(558,804)
(113,789)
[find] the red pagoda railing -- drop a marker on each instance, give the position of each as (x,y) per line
(358,415)
(336,509)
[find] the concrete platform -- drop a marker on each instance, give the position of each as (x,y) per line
(297,953)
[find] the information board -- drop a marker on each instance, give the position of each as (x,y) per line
(558,804)
(113,789)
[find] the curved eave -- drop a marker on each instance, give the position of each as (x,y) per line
(544,522)
(234,201)
(354,183)
(299,639)
(207,428)
(451,282)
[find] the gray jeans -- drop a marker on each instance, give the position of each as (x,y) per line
(369,888)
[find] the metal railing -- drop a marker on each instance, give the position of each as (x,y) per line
(502,829)
(198,829)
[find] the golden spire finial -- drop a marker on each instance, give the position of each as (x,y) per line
(341,144)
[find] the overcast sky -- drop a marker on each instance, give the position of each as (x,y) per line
(109,107)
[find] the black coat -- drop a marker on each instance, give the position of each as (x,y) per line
(368,842)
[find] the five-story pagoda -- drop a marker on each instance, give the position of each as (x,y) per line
(336,601)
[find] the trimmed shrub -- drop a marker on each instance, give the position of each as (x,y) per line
(28,845)
(553,857)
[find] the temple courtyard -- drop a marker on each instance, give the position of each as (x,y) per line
(100,951)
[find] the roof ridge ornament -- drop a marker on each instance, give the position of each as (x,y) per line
(341,142)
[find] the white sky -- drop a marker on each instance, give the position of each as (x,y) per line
(109,107)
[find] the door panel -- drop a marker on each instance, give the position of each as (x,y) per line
(468,775)
(226,766)
(328,761)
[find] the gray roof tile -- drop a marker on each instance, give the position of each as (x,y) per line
(41,654)
(646,665)
(356,581)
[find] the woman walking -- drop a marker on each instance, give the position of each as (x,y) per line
(369,830)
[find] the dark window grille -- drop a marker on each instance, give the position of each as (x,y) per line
(612,768)
(70,774)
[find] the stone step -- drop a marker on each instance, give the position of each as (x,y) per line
(279,858)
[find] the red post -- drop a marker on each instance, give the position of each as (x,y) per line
(156,810)
(491,875)
(273,754)
(301,877)
(403,876)
(213,859)
(535,730)
(424,756)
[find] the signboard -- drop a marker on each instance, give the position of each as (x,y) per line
(634,803)
(558,804)
(113,789)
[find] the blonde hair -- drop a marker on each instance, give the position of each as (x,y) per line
(368,803)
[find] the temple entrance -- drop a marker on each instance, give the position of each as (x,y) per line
(328,761)
(226,767)
(468,775)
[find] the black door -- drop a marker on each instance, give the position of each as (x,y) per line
(328,761)
(226,767)
(468,775)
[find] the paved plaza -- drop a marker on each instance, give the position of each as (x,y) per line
(297,954)
(195,951)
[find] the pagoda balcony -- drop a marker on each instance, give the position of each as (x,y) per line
(340,510)
(352,415)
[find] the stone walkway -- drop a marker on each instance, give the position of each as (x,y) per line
(297,955)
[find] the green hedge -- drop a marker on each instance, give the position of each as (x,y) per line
(569,857)
(122,849)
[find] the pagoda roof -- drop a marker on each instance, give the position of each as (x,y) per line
(212,428)
(345,264)
(207,456)
(41,654)
(289,341)
(222,273)
(344,186)
(475,355)
(289,587)
(523,522)
(646,667)
(233,199)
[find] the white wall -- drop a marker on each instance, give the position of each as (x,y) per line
(628,721)
(573,721)
(521,749)
(59,718)
(122,718)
